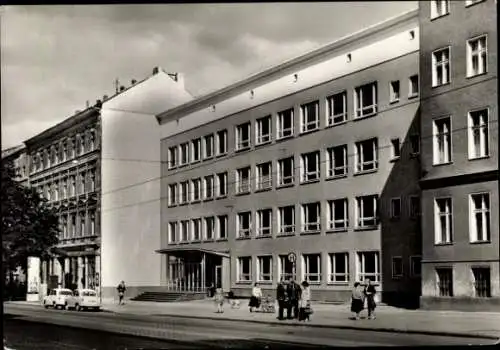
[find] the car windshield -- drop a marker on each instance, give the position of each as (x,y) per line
(88,294)
(65,292)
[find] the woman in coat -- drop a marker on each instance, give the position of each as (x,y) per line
(256,297)
(305,309)
(357,300)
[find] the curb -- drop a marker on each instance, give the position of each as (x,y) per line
(381,329)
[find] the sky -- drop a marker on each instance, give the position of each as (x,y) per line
(55,58)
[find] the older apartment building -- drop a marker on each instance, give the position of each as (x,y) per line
(459,109)
(307,170)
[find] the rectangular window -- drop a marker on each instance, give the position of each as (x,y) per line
(482,285)
(221,142)
(264,176)
(365,100)
(414,145)
(196,229)
(445,281)
(82,225)
(477,56)
(414,207)
(394,91)
(172,232)
(243,136)
(413,86)
(196,189)
(478,134)
(286,171)
(441,67)
(285,268)
(222,184)
(311,268)
(222,227)
(309,116)
(368,266)
(196,150)
(366,211)
(336,158)
(184,230)
(263,130)
(442,141)
(309,167)
(184,192)
(443,217)
(416,266)
(264,222)
(243,180)
(208,187)
(265,268)
(286,220)
(396,149)
(208,149)
(397,267)
(338,214)
(366,155)
(244,224)
(311,217)
(479,217)
(172,157)
(285,124)
(336,108)
(338,267)
(439,8)
(472,2)
(395,208)
(184,153)
(172,194)
(209,232)
(244,269)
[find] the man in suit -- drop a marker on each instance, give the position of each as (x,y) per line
(293,293)
(281,297)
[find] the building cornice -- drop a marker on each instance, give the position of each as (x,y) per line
(284,68)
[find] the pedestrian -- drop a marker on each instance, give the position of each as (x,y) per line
(121,292)
(357,300)
(370,292)
(256,297)
(281,297)
(219,300)
(305,310)
(293,295)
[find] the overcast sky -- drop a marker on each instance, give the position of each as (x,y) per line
(54,58)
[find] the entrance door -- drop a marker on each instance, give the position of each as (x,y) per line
(218,276)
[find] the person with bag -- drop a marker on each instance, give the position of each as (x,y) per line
(293,295)
(256,298)
(357,300)
(305,309)
(370,292)
(121,292)
(281,297)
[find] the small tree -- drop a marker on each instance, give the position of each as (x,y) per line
(29,227)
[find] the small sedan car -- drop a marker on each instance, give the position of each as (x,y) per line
(57,298)
(83,299)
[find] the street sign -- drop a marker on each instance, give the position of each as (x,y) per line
(292,257)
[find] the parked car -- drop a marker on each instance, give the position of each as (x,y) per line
(57,298)
(84,299)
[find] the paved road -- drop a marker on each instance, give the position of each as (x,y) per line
(227,334)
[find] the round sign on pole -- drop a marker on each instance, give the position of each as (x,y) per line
(292,257)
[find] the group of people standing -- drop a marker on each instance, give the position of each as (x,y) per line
(361,296)
(295,298)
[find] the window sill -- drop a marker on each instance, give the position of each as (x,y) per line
(305,132)
(336,177)
(208,157)
(221,197)
(439,16)
(285,185)
(442,164)
(480,242)
(343,283)
(263,189)
(412,96)
(263,143)
(265,282)
(364,172)
(475,75)
(242,193)
(394,102)
(437,86)
(182,165)
(394,159)
(365,116)
(172,243)
(221,240)
(479,158)
(195,201)
(183,242)
(243,149)
(243,282)
(220,155)
(208,199)
(285,234)
(283,138)
(172,167)
(474,3)
(171,205)
(443,244)
(263,236)
(243,238)
(183,204)
(306,182)
(314,283)
(208,240)
(336,230)
(306,233)
(366,228)
(196,241)
(195,161)
(336,124)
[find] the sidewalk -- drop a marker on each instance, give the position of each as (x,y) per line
(391,319)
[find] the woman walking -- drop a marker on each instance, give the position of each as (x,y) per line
(357,300)
(370,292)
(305,309)
(256,297)
(219,300)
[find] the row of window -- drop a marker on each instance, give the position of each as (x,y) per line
(367,266)
(365,211)
(365,105)
(478,137)
(481,278)
(442,7)
(65,150)
(476,61)
(77,225)
(69,187)
(479,219)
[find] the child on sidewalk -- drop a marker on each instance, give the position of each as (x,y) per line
(219,300)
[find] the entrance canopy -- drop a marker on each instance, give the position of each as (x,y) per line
(180,251)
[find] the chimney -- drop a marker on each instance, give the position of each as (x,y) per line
(105,97)
(156,70)
(87,104)
(98,103)
(122,88)
(178,78)
(133,81)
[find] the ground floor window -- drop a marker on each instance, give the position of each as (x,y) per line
(368,266)
(482,282)
(416,266)
(338,267)
(311,267)
(265,268)
(445,281)
(397,267)
(285,268)
(244,269)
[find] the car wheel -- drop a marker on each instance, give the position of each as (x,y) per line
(66,307)
(77,307)
(54,305)
(45,305)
